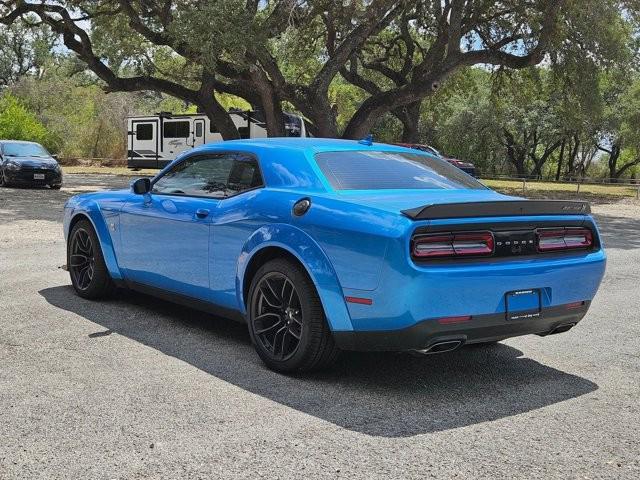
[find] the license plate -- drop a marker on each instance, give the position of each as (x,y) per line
(38,176)
(523,304)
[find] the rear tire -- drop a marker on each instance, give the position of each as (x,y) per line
(55,187)
(286,320)
(89,275)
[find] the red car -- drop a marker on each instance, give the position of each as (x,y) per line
(464,166)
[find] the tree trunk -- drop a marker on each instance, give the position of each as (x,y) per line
(94,150)
(614,154)
(271,105)
(515,155)
(539,162)
(325,119)
(573,153)
(363,120)
(409,115)
(560,159)
(216,112)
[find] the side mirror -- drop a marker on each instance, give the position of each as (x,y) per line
(141,186)
(55,156)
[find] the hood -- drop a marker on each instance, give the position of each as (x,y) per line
(33,161)
(395,201)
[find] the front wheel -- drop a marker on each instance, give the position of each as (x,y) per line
(3,180)
(89,275)
(286,320)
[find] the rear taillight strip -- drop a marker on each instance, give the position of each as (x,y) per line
(554,239)
(517,242)
(453,245)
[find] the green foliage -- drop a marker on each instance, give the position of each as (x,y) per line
(87,122)
(18,123)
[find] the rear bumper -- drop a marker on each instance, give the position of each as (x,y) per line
(481,328)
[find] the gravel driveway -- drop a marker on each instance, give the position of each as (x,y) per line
(139,388)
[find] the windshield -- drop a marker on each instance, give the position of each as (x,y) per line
(24,150)
(366,170)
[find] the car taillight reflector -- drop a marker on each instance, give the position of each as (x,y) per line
(452,320)
(563,238)
(453,245)
(359,300)
(574,305)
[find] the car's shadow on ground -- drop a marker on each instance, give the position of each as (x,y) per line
(389,395)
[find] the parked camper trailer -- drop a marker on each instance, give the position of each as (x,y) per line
(154,141)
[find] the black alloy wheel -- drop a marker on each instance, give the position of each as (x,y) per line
(82,260)
(277,316)
(89,274)
(286,319)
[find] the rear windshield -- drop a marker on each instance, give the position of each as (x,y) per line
(365,170)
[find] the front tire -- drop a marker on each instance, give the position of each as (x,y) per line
(3,180)
(89,275)
(286,320)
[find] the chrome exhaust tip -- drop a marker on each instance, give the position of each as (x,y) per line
(441,347)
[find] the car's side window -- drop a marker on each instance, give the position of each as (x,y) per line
(213,175)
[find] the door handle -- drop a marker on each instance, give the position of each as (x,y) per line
(202,213)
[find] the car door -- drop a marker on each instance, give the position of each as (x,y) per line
(165,233)
(198,132)
(143,143)
(233,222)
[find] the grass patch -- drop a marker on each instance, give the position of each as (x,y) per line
(553,189)
(145,172)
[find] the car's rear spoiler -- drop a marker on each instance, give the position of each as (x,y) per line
(505,208)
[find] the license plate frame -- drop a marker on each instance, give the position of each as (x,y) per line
(523,304)
(39,176)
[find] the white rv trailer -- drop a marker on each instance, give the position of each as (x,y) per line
(154,141)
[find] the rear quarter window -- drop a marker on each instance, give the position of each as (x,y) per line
(371,170)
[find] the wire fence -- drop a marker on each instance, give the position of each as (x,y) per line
(630,187)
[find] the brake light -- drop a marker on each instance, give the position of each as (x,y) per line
(454,245)
(551,239)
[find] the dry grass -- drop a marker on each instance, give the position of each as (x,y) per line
(145,172)
(556,190)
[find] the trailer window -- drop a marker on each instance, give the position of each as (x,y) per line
(144,131)
(176,129)
(198,129)
(243,132)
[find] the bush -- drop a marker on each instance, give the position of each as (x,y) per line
(18,123)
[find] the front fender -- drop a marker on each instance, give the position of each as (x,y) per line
(99,217)
(308,252)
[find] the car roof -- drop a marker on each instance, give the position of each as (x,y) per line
(19,141)
(307,143)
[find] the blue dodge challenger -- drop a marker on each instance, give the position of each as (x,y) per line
(325,245)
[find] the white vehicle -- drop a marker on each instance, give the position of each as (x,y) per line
(154,141)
